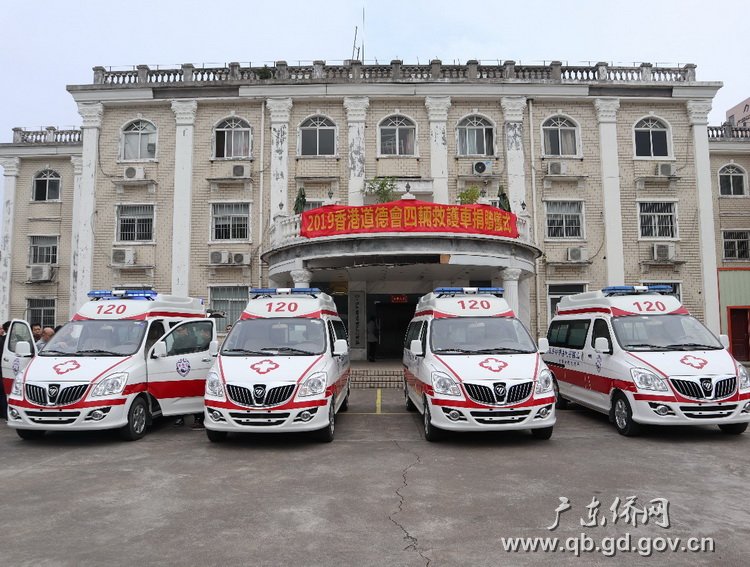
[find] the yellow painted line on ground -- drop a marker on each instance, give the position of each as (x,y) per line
(378,400)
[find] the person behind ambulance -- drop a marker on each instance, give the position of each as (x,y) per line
(372,339)
(47,334)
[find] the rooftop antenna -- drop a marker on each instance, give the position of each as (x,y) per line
(363,33)
(354,44)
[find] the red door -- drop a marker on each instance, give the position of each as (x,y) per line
(739,332)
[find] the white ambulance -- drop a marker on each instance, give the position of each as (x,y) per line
(635,353)
(283,367)
(470,365)
(126,357)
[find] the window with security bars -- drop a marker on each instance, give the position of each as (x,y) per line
(43,250)
(675,288)
(231,221)
(731,180)
(651,138)
(233,139)
(559,137)
(40,312)
(47,186)
(397,136)
(555,292)
(230,300)
(475,137)
(135,223)
(658,220)
(139,140)
(317,137)
(736,244)
(564,219)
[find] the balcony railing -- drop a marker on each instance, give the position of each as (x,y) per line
(50,135)
(727,132)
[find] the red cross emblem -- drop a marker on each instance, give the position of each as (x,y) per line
(493,364)
(67,366)
(694,361)
(264,366)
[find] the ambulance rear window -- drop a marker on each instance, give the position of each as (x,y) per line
(568,333)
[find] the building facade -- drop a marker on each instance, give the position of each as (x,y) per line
(186,180)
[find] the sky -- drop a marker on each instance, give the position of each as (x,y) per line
(48,44)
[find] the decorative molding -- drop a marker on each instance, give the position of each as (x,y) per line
(91,112)
(280,109)
(698,111)
(514,136)
(437,108)
(184,111)
(606,109)
(302,276)
(513,108)
(77,162)
(510,274)
(356,108)
(10,165)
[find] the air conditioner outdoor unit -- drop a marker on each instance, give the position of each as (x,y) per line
(40,273)
(219,257)
(664,251)
(238,171)
(134,173)
(557,168)
(481,167)
(241,259)
(665,169)
(123,256)
(578,254)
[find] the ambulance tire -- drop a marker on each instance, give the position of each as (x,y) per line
(407,400)
(623,416)
(137,421)
(733,428)
(30,434)
(542,433)
(345,404)
(431,433)
(216,436)
(326,434)
(560,402)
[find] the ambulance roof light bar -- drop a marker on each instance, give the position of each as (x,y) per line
(99,294)
(635,289)
(468,290)
(283,290)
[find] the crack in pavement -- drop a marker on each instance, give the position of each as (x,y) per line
(413,543)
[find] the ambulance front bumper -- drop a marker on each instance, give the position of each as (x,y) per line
(458,416)
(653,411)
(110,414)
(287,418)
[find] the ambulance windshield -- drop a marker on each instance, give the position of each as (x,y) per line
(96,338)
(663,332)
(277,336)
(480,335)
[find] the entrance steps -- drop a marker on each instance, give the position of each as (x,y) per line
(386,374)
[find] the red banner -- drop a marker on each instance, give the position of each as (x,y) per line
(408,216)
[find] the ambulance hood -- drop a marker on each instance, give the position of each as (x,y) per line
(684,363)
(73,369)
(244,370)
(490,367)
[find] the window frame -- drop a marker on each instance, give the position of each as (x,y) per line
(724,256)
(582,214)
(667,128)
(741,173)
(123,145)
(333,128)
(576,128)
(241,302)
(414,127)
(215,141)
(490,125)
(55,253)
(43,323)
(212,224)
(675,215)
(118,228)
(38,177)
(559,296)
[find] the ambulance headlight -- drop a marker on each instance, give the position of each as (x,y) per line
(314,385)
(444,384)
(646,380)
(214,387)
(544,381)
(17,386)
(741,374)
(112,384)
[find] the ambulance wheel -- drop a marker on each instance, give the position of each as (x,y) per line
(542,433)
(407,400)
(30,434)
(733,428)
(623,417)
(345,404)
(325,435)
(431,433)
(137,421)
(560,402)
(216,436)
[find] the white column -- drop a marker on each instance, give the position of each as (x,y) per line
(301,278)
(437,113)
(184,112)
(10,172)
(606,113)
(510,286)
(84,205)
(698,114)
(77,162)
(513,110)
(356,112)
(524,300)
(280,109)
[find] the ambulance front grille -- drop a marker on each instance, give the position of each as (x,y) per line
(273,397)
(69,395)
(498,417)
(708,412)
(486,395)
(692,389)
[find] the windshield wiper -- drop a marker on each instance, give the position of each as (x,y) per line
(289,349)
(642,346)
(96,351)
(502,350)
(456,350)
(244,351)
(47,351)
(692,346)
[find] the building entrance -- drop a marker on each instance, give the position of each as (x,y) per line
(392,315)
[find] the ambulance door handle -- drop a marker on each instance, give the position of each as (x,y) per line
(206,359)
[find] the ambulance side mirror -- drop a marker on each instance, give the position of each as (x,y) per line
(543,345)
(724,340)
(213,348)
(601,345)
(23,349)
(159,350)
(416,347)
(340,348)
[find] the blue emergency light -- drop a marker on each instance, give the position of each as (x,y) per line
(634,289)
(283,290)
(147,294)
(445,290)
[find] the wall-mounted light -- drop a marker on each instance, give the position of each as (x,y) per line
(330,193)
(523,205)
(408,187)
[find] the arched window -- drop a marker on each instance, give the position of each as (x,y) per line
(317,137)
(233,139)
(560,137)
(475,137)
(731,180)
(139,141)
(46,186)
(651,138)
(397,136)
